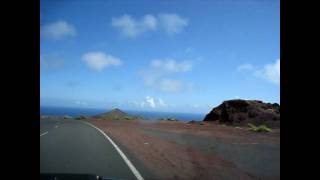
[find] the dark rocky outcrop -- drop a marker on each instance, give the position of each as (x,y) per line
(81,117)
(242,112)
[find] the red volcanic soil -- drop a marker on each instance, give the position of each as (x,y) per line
(178,150)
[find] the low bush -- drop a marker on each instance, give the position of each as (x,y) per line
(127,118)
(81,117)
(261,128)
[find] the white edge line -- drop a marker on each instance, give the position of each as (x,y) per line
(44,133)
(124,157)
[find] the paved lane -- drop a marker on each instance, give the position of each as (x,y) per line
(71,146)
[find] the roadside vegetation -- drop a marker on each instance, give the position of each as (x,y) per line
(261,128)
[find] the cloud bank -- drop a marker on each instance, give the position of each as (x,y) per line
(269,72)
(151,102)
(99,60)
(160,72)
(172,23)
(133,27)
(57,30)
(51,62)
(171,65)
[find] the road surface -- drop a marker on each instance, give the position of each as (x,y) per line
(72,146)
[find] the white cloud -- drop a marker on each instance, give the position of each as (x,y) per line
(131,27)
(150,22)
(169,85)
(172,23)
(270,72)
(158,75)
(81,103)
(162,103)
(99,60)
(151,102)
(57,30)
(171,65)
(245,67)
(51,62)
(163,84)
(142,104)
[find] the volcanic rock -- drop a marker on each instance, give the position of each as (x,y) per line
(241,112)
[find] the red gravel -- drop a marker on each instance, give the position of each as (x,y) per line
(170,160)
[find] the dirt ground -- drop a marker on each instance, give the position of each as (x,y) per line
(178,150)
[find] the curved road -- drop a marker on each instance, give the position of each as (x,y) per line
(71,146)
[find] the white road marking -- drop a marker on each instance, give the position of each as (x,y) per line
(44,133)
(124,157)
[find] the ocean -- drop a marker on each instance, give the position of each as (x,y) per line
(74,112)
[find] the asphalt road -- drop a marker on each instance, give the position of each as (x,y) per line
(71,146)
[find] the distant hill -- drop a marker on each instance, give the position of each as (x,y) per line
(242,112)
(113,114)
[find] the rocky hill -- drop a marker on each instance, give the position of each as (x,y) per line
(241,112)
(113,114)
(117,114)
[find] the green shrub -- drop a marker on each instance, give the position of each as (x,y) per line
(127,118)
(81,117)
(261,128)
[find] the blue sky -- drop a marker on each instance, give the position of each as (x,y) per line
(167,55)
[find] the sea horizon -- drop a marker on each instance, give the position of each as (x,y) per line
(86,111)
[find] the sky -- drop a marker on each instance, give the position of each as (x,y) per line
(165,55)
